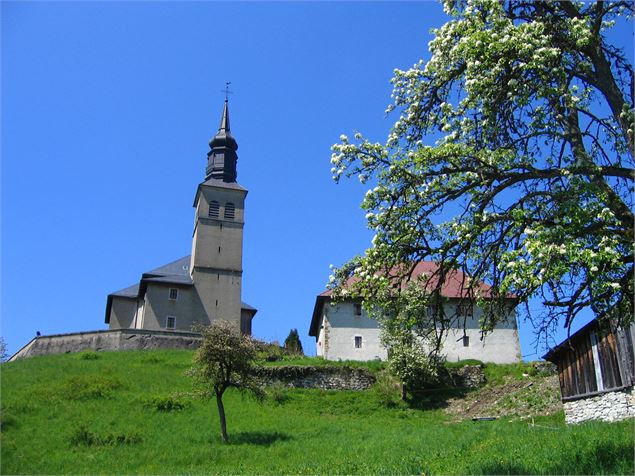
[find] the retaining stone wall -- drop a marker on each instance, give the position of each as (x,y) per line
(611,406)
(469,376)
(120,339)
(326,378)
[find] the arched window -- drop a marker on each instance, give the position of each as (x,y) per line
(214,209)
(230,211)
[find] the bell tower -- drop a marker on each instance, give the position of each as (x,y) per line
(217,242)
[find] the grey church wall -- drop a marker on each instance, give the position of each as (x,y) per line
(222,196)
(217,247)
(122,312)
(245,321)
(158,307)
(220,293)
(210,235)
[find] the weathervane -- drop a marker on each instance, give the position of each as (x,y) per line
(227,91)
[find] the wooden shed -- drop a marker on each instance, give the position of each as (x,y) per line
(596,359)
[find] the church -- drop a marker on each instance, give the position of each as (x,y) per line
(206,285)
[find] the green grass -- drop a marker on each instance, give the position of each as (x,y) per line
(136,413)
(496,374)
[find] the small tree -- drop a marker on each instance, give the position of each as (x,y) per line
(225,359)
(410,363)
(292,343)
(4,355)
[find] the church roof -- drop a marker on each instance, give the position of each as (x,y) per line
(247,307)
(130,291)
(179,267)
(222,157)
(223,137)
(217,183)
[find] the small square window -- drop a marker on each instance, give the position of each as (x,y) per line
(464,309)
(466,341)
(358,342)
(174,294)
(171,322)
(358,309)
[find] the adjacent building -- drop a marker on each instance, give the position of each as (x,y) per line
(596,367)
(205,285)
(344,331)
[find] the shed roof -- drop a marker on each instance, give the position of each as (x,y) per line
(551,356)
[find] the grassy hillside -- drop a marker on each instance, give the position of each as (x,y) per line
(135,412)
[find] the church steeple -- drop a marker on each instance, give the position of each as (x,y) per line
(222,157)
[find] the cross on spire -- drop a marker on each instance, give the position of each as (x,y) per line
(227,91)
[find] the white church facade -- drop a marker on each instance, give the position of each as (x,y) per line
(205,285)
(344,331)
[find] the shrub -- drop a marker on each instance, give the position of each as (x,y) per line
(278,393)
(152,359)
(165,404)
(6,420)
(88,355)
(82,436)
(269,352)
(387,390)
(83,387)
(413,366)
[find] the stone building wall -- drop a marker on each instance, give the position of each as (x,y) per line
(610,406)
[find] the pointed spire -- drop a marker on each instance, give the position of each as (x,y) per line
(222,157)
(224,120)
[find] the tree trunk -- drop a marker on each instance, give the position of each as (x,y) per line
(221,416)
(403,392)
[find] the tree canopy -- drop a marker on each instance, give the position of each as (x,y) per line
(293,344)
(511,160)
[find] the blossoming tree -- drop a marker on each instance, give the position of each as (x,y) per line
(511,159)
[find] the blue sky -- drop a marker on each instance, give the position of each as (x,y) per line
(107,109)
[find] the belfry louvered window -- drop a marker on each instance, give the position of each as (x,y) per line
(230,211)
(214,209)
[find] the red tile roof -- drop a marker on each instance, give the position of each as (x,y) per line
(455,285)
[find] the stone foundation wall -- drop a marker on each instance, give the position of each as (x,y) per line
(326,378)
(120,339)
(610,406)
(469,376)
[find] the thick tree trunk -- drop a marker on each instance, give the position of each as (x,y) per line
(221,416)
